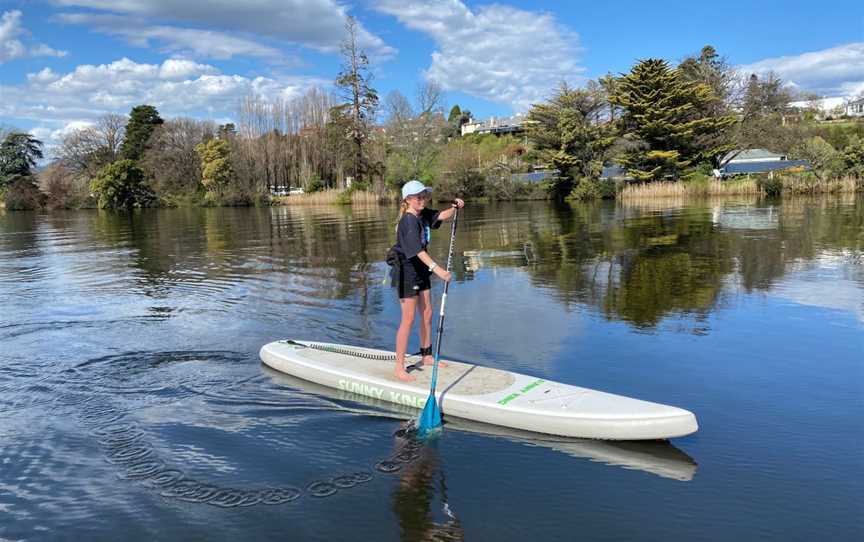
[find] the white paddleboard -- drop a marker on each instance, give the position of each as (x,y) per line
(482,394)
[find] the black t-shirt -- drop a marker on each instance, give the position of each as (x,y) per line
(413,234)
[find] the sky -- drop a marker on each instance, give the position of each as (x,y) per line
(63,63)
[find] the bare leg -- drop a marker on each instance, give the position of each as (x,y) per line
(424,307)
(408,306)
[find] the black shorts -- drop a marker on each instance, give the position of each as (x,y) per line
(410,281)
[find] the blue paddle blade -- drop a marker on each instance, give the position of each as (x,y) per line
(430,418)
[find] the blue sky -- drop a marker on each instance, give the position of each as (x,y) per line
(65,62)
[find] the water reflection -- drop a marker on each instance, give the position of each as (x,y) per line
(660,458)
(637,263)
(414,499)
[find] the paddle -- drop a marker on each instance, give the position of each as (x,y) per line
(430,418)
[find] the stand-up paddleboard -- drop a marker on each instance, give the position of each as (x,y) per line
(482,394)
(658,457)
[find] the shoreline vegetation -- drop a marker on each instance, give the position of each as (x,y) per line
(665,128)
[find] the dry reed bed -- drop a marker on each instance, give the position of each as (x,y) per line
(743,187)
(334,197)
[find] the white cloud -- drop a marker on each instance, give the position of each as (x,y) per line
(176,87)
(496,52)
(838,71)
(11,47)
(313,23)
(175,40)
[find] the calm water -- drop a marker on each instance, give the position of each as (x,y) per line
(133,403)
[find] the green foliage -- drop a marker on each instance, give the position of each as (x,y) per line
(315,184)
(143,119)
(19,153)
(670,117)
(216,170)
(455,114)
(588,189)
(853,158)
(121,186)
(567,133)
(824,159)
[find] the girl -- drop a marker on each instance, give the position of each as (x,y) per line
(413,278)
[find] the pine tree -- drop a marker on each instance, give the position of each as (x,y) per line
(665,116)
(142,121)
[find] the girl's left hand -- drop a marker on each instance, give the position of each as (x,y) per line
(458,203)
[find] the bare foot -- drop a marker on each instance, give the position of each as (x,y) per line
(403,375)
(429,360)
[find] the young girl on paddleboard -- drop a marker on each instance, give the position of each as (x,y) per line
(412,276)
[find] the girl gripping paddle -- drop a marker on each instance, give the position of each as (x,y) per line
(412,279)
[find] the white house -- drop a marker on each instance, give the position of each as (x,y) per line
(855,108)
(506,125)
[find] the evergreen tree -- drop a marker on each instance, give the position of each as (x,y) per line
(666,116)
(570,133)
(19,153)
(121,186)
(455,114)
(142,121)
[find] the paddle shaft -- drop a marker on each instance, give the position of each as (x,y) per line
(440,331)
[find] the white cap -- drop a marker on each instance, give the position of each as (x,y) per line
(412,188)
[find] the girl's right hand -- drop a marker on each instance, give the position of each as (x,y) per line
(443,274)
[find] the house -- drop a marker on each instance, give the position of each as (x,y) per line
(535,176)
(614,171)
(506,125)
(855,108)
(747,161)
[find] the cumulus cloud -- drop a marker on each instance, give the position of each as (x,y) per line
(318,24)
(11,47)
(838,71)
(52,100)
(496,52)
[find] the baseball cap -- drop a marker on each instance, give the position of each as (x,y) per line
(412,188)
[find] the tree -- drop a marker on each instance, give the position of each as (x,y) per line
(824,159)
(853,157)
(87,150)
(19,153)
(455,114)
(763,107)
(710,69)
(142,121)
(668,116)
(216,171)
(764,97)
(354,82)
(171,162)
(568,132)
(121,186)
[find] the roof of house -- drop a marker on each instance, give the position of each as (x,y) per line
(763,167)
(750,154)
(613,171)
(535,176)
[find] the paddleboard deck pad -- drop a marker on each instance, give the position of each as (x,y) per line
(482,394)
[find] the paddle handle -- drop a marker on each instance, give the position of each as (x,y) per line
(440,331)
